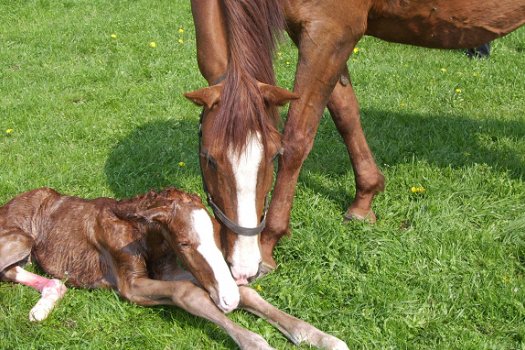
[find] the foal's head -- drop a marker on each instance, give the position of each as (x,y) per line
(237,147)
(195,236)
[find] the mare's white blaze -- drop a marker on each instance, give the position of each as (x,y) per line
(228,293)
(246,255)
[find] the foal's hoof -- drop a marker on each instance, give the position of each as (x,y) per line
(265,268)
(360,215)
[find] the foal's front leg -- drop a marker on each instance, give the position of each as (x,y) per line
(296,330)
(196,301)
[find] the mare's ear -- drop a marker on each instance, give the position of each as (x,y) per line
(159,214)
(207,97)
(275,95)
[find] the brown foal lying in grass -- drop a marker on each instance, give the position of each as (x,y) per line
(136,247)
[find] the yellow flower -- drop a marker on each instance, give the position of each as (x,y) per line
(181,41)
(457,91)
(182,164)
(113,36)
(287,63)
(258,288)
(153,44)
(9,131)
(417,189)
(356,49)
(444,70)
(181,30)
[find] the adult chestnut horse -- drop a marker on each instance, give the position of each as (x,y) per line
(325,33)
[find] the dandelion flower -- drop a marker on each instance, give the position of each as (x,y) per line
(457,91)
(9,131)
(113,36)
(181,30)
(181,41)
(444,70)
(153,44)
(258,288)
(182,164)
(356,49)
(417,189)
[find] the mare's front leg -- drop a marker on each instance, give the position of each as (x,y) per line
(196,301)
(293,328)
(324,47)
(369,180)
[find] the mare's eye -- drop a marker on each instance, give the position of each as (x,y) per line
(277,154)
(210,161)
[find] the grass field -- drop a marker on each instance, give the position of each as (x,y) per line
(90,107)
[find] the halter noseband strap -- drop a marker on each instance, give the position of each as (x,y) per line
(219,214)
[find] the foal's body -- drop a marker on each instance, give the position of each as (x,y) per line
(135,247)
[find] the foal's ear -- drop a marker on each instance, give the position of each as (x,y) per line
(207,97)
(275,95)
(159,214)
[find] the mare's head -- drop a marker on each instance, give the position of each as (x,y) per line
(194,235)
(239,141)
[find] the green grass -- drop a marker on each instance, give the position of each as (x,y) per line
(99,116)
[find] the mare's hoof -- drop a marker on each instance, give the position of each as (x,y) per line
(360,215)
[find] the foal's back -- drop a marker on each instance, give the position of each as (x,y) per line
(65,233)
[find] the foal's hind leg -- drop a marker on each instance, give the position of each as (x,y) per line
(369,181)
(15,246)
(52,290)
(293,328)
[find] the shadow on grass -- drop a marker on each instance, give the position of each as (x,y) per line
(149,156)
(400,138)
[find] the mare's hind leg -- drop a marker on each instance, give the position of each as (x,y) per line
(293,328)
(52,290)
(369,181)
(15,246)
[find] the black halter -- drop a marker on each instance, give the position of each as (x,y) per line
(219,214)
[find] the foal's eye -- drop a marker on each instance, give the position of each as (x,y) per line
(184,245)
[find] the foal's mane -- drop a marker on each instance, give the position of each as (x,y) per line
(252,26)
(152,199)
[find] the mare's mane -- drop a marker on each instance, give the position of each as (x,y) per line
(252,26)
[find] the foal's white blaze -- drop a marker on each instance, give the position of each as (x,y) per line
(228,293)
(246,255)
